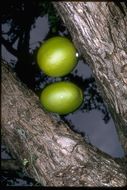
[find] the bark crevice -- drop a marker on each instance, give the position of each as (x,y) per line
(55,155)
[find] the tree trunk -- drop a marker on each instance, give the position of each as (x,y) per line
(99,32)
(55,155)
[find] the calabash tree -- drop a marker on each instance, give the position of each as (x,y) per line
(98,30)
(56,155)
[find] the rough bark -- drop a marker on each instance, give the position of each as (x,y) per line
(55,155)
(99,31)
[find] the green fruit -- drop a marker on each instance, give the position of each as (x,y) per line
(61,97)
(57,56)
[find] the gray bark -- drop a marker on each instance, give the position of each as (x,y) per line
(99,32)
(55,155)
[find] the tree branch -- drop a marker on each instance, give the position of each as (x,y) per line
(98,30)
(56,155)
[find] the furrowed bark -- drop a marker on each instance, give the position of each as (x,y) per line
(55,155)
(99,32)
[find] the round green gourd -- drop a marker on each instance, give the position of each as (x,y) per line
(56,57)
(61,97)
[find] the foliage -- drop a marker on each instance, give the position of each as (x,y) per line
(20,15)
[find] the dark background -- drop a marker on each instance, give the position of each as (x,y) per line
(25,25)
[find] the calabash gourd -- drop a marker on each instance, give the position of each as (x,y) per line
(56,57)
(61,97)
